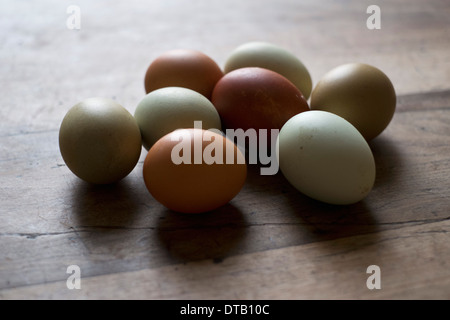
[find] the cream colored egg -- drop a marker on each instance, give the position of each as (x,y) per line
(272,57)
(326,158)
(167,109)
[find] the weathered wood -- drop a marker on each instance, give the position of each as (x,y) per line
(414,264)
(270,241)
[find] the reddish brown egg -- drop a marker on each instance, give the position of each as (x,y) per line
(183,68)
(256,98)
(194,170)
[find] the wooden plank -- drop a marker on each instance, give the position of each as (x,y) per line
(435,100)
(414,264)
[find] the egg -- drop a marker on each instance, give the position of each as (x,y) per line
(360,93)
(256,98)
(99,140)
(183,68)
(326,158)
(167,109)
(273,57)
(194,170)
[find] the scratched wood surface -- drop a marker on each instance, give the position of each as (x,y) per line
(270,242)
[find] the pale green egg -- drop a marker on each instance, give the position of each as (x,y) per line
(167,109)
(326,158)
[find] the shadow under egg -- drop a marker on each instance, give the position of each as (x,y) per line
(210,235)
(104,206)
(314,220)
(388,161)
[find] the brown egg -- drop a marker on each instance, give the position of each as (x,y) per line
(194,170)
(183,68)
(256,98)
(359,93)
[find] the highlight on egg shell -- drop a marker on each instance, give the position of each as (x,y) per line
(194,170)
(360,93)
(100,141)
(273,57)
(167,109)
(326,158)
(185,68)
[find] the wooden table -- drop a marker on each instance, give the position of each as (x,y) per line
(270,242)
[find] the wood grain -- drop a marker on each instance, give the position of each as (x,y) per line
(270,242)
(321,270)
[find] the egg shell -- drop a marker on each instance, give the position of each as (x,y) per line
(273,57)
(194,187)
(256,98)
(183,68)
(325,157)
(167,109)
(100,141)
(360,93)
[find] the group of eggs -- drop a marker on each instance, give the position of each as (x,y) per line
(322,147)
